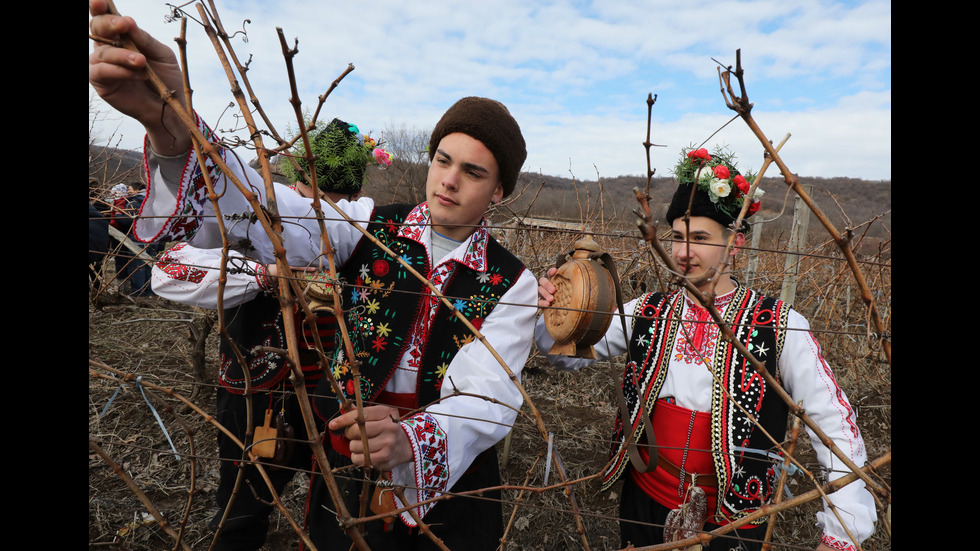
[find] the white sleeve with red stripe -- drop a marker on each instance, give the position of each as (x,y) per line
(808,379)
(189,275)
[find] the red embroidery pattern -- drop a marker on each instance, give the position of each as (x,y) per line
(177,270)
(380,268)
(843,545)
(431,459)
(421,331)
(698,334)
(192,193)
(415,223)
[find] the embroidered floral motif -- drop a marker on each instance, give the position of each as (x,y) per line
(442,369)
(380,268)
(460,343)
(698,335)
(340,368)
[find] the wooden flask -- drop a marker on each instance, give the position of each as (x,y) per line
(585,299)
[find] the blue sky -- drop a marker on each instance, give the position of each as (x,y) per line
(575,74)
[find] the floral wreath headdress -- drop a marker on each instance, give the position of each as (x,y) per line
(342,153)
(381,156)
(716,175)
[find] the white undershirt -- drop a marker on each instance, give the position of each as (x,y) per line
(442,246)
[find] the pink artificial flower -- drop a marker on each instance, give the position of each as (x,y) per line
(382,156)
(721,172)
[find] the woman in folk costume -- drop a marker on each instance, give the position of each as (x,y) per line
(253,318)
(688,380)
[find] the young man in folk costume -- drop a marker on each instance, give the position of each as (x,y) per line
(681,371)
(413,352)
(253,318)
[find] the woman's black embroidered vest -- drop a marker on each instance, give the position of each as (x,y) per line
(258,322)
(746,480)
(384,303)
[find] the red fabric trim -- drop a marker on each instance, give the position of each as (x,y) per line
(836,543)
(405,403)
(339,443)
(670,425)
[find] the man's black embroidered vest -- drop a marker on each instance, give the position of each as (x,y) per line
(384,303)
(745,480)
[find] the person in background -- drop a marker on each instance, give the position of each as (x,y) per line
(129,267)
(98,241)
(681,371)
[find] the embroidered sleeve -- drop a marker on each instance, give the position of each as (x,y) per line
(431,464)
(178,208)
(189,275)
(809,379)
(835,543)
(174,210)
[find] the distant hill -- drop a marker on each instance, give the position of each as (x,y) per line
(110,166)
(847,202)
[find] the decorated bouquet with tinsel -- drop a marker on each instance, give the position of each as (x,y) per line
(342,153)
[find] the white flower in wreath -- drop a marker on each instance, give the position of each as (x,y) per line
(706,174)
(758,194)
(718,189)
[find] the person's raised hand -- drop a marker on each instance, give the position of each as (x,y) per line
(119,76)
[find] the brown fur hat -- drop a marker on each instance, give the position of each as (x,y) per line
(490,122)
